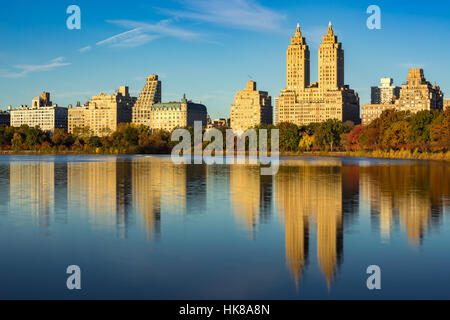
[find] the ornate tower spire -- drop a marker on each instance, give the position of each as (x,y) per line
(330,29)
(331,61)
(298,37)
(298,62)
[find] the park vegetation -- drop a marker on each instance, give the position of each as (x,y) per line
(396,134)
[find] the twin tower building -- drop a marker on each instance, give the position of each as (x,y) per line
(303,102)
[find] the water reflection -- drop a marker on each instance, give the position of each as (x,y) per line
(32,191)
(412,195)
(317,201)
(310,196)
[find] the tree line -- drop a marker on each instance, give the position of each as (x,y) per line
(128,139)
(425,131)
(422,132)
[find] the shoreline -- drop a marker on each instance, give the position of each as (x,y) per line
(392,155)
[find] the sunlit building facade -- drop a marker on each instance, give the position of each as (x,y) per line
(251,108)
(171,115)
(370,112)
(303,103)
(414,96)
(103,113)
(150,95)
(418,94)
(42,113)
(386,93)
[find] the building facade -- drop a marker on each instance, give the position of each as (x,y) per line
(370,112)
(103,113)
(76,117)
(446,104)
(150,95)
(303,103)
(386,93)
(171,115)
(42,113)
(414,96)
(418,94)
(251,108)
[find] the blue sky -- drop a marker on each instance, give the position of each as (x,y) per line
(208,49)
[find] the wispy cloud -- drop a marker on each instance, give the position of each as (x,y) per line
(25,69)
(245,14)
(85,49)
(141,33)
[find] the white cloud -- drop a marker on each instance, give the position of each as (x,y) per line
(245,14)
(85,49)
(26,69)
(142,33)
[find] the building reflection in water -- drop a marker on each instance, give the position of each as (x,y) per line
(250,196)
(310,195)
(32,190)
(113,190)
(93,189)
(320,198)
(411,195)
(158,186)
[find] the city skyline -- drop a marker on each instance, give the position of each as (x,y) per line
(220,50)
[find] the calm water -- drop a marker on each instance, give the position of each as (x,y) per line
(142,227)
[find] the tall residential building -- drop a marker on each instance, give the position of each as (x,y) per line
(150,95)
(76,117)
(416,95)
(103,114)
(42,114)
(251,108)
(303,103)
(386,93)
(171,115)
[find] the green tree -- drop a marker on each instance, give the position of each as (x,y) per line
(420,127)
(328,134)
(289,137)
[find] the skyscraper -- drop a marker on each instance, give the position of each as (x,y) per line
(331,62)
(150,95)
(303,103)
